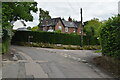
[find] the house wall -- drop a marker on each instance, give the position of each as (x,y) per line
(78,30)
(47,28)
(60,24)
(71,30)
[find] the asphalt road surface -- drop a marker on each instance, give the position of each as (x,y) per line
(52,63)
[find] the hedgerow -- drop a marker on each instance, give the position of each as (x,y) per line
(52,38)
(110,37)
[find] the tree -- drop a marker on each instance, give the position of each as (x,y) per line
(13,11)
(29,28)
(36,28)
(43,15)
(91,27)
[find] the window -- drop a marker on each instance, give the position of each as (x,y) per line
(66,29)
(60,28)
(44,29)
(50,27)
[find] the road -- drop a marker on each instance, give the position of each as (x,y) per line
(52,63)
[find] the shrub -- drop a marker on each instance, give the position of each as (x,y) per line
(110,37)
(5,42)
(58,31)
(51,37)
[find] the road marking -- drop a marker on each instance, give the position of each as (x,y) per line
(32,68)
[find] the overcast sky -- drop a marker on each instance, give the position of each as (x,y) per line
(102,9)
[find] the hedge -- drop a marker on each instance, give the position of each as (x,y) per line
(52,38)
(110,37)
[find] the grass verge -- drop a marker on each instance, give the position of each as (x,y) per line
(55,46)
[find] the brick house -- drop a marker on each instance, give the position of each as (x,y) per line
(54,24)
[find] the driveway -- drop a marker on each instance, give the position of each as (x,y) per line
(52,63)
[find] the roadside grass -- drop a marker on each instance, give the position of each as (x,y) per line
(5,46)
(98,51)
(59,46)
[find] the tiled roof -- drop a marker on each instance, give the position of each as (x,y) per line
(50,22)
(77,23)
(54,21)
(74,24)
(23,23)
(69,24)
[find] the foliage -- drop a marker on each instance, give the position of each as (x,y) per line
(29,28)
(50,37)
(98,51)
(5,41)
(12,11)
(73,33)
(92,27)
(43,15)
(110,37)
(36,28)
(58,31)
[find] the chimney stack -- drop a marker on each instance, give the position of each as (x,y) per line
(70,19)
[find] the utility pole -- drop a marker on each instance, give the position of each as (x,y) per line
(81,28)
(40,18)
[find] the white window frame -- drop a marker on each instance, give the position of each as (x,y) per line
(60,27)
(66,29)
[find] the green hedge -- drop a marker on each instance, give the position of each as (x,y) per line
(110,37)
(51,37)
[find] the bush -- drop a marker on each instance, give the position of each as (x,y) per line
(5,42)
(50,37)
(110,37)
(58,31)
